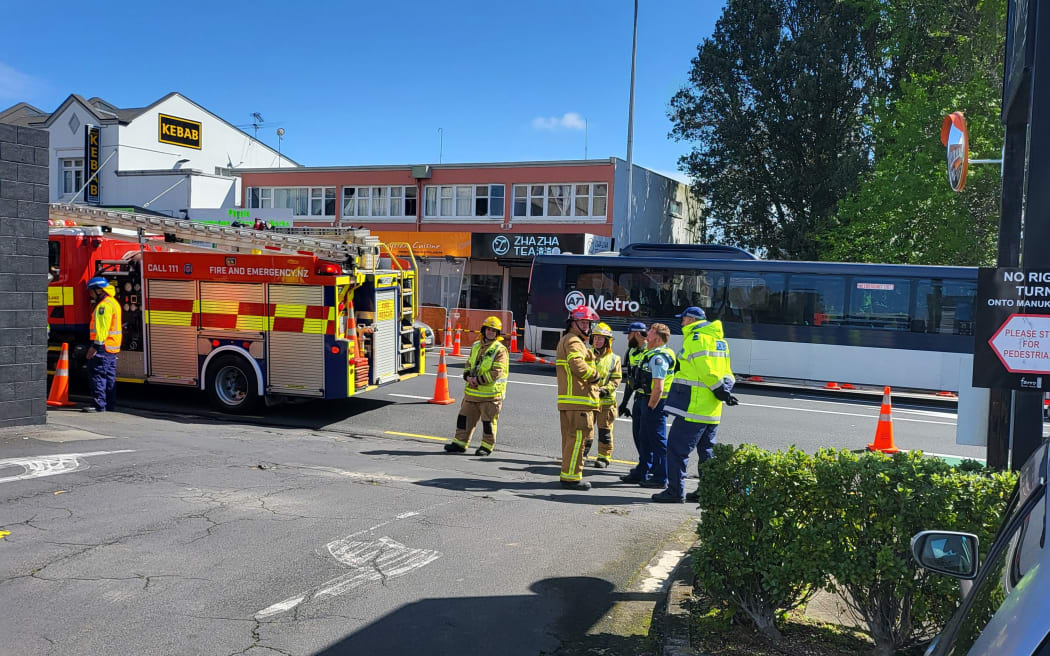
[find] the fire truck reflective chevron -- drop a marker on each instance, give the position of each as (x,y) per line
(234,315)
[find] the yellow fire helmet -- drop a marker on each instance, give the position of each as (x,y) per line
(604,330)
(493,322)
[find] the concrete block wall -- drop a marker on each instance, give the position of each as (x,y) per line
(23,275)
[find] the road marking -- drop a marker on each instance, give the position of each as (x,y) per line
(368,477)
(437,439)
(369,561)
(847,414)
(948,455)
(62,463)
(422,437)
(658,573)
(896,408)
(513,382)
(411,396)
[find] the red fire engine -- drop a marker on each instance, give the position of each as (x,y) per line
(290,317)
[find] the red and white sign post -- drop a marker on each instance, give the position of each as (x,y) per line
(1023,344)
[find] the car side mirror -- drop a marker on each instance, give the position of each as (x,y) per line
(947,552)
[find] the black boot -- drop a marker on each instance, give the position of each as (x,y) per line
(452,447)
(483,451)
(601,464)
(583,486)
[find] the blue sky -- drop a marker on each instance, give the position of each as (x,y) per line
(356,83)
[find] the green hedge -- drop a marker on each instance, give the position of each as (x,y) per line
(776,527)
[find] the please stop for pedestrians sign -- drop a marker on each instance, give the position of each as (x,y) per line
(1012,332)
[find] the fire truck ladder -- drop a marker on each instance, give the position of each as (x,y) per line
(357,244)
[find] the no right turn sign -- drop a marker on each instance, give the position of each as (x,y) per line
(1012,335)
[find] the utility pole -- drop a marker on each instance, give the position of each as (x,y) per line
(630,128)
(1015,427)
(1028,405)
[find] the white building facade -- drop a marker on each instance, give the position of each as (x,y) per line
(170,157)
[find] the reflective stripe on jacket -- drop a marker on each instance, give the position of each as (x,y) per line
(577,375)
(106,324)
(704,367)
(492,370)
(610,372)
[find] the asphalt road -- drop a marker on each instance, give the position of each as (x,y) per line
(343,528)
(772,418)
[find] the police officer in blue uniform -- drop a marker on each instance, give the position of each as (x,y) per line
(652,382)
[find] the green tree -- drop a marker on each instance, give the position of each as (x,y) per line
(940,57)
(772,108)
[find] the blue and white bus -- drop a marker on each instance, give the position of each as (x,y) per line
(868,324)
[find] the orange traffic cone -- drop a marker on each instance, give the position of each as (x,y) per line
(849,386)
(455,347)
(514,338)
(832,386)
(757,379)
(448,332)
(441,396)
(527,356)
(884,430)
(59,396)
(353,336)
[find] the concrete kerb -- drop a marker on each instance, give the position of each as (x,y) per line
(676,616)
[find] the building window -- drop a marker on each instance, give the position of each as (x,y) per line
(410,201)
(584,200)
(72,175)
(303,201)
(379,202)
(484,201)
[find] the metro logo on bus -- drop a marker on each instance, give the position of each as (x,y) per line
(575,299)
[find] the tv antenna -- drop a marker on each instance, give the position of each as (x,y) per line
(257,120)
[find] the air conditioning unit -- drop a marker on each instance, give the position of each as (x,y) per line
(421,172)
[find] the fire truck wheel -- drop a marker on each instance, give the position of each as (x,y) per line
(231,384)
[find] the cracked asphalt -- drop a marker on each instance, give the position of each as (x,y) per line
(176,545)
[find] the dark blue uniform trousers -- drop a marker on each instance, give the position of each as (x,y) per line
(103,369)
(650,437)
(683,438)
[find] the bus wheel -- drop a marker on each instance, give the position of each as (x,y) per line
(232,386)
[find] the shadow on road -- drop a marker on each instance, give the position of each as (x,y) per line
(552,621)
(144,401)
(547,490)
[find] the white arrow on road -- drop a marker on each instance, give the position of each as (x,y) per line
(369,561)
(61,463)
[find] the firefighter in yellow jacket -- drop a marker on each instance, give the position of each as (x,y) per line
(611,373)
(106,332)
(486,375)
(578,380)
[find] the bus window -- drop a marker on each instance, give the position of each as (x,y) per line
(54,260)
(704,289)
(879,303)
(944,307)
(815,300)
(755,298)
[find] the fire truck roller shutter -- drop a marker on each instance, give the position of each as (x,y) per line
(386,340)
(171,318)
(296,344)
